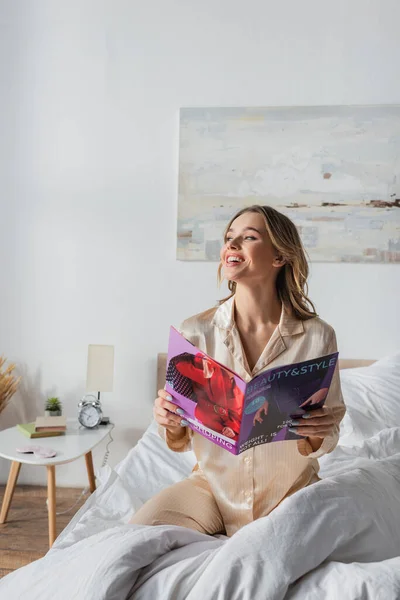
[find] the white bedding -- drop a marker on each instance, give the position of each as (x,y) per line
(337,538)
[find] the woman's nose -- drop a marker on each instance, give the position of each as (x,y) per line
(234,243)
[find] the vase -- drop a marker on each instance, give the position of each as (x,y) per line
(52,413)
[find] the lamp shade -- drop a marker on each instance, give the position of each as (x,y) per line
(100,368)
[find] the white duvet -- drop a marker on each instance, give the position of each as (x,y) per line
(339,538)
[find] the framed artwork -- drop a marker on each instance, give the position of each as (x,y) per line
(334,170)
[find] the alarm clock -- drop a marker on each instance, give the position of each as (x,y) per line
(90,414)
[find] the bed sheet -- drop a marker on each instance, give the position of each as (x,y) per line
(347,523)
(362,474)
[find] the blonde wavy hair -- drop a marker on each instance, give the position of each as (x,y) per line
(291,282)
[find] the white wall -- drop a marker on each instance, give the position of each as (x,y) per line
(89,95)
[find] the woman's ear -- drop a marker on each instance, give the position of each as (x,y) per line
(279,261)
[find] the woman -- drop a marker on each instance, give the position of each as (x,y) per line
(219,400)
(267,321)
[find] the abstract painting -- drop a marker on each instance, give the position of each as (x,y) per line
(334,170)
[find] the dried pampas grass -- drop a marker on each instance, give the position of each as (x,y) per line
(8,383)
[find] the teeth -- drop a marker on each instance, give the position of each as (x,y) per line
(234,259)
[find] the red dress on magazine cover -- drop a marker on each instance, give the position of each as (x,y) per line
(219,399)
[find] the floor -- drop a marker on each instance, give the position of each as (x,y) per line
(24,537)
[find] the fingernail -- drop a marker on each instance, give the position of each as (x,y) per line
(295,423)
(168,397)
(306,416)
(184,423)
(179,411)
(292,429)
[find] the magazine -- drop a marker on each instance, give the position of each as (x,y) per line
(235,414)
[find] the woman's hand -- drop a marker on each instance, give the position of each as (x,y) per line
(316,398)
(168,414)
(319,423)
(263,409)
(228,432)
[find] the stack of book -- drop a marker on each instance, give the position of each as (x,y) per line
(44,427)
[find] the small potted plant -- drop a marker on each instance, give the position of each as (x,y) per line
(53,407)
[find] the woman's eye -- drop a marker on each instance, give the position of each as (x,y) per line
(248,237)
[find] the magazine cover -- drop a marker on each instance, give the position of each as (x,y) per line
(237,415)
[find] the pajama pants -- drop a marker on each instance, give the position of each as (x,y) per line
(188,503)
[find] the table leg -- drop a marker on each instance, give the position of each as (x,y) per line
(51,496)
(10,487)
(90,471)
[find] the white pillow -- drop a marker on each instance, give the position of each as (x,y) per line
(372,398)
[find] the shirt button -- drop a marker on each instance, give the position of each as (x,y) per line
(247,460)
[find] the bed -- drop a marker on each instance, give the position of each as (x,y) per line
(337,538)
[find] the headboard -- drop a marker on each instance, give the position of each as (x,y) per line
(344,363)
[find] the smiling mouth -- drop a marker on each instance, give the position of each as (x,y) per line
(233,261)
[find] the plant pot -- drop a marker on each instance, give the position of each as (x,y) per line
(52,413)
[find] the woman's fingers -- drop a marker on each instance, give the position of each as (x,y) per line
(316,398)
(306,403)
(165,412)
(166,418)
(317,422)
(257,418)
(316,431)
(164,400)
(318,412)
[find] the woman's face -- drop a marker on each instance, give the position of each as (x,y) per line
(248,252)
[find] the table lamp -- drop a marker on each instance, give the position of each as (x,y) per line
(100,369)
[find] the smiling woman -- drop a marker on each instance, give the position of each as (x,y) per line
(267,321)
(279,247)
